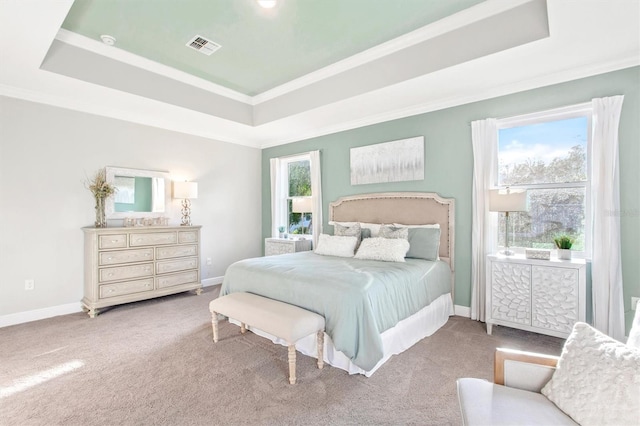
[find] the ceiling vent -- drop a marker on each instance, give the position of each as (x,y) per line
(203,45)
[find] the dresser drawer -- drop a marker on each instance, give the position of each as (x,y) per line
(177,279)
(187,237)
(176,251)
(176,265)
(118,273)
(128,287)
(125,256)
(152,239)
(112,241)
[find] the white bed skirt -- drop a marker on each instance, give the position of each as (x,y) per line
(396,340)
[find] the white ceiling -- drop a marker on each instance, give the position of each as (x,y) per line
(586,37)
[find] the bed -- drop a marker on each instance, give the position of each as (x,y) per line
(373,309)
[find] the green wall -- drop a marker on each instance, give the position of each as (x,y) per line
(449,162)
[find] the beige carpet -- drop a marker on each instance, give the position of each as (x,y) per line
(154,363)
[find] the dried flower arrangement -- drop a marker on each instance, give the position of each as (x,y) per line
(99,186)
(101,189)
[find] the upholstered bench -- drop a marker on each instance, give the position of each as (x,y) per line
(280,319)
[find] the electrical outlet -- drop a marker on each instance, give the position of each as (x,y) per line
(29,284)
(208,261)
(634,303)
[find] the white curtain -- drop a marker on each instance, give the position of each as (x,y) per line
(316,191)
(484,136)
(606,268)
(278,212)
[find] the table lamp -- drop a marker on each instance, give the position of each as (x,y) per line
(506,200)
(186,191)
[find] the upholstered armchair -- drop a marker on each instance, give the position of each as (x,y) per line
(596,380)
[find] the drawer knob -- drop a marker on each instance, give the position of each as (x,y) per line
(114,241)
(111,290)
(110,274)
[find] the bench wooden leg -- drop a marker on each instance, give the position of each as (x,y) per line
(243,328)
(214,323)
(320,349)
(292,364)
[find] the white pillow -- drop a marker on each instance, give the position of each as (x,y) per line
(373,227)
(388,250)
(429,225)
(597,380)
(336,245)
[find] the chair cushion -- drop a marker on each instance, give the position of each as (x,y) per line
(485,403)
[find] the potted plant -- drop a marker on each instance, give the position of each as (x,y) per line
(564,243)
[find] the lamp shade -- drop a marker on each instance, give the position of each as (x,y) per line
(302,205)
(501,200)
(185,190)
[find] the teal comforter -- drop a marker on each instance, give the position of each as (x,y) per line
(359,299)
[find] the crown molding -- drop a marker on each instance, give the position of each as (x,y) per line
(153,117)
(112,52)
(442,26)
(576,73)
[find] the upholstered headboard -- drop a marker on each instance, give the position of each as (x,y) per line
(409,208)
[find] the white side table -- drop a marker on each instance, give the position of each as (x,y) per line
(274,246)
(543,296)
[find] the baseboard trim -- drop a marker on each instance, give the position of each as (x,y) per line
(38,314)
(212,281)
(462,311)
(69,308)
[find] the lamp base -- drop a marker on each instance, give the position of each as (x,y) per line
(186,213)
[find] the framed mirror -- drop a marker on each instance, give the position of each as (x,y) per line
(139,193)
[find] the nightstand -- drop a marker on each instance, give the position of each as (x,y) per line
(543,296)
(273,246)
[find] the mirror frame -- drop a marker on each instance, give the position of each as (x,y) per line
(112,172)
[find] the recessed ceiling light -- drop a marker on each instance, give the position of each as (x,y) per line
(267,4)
(108,40)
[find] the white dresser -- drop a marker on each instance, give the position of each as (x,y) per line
(544,296)
(273,246)
(124,265)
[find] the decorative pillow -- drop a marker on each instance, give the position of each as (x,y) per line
(335,245)
(388,231)
(348,231)
(424,243)
(597,380)
(373,227)
(386,249)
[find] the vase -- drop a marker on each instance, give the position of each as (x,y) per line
(564,254)
(101,218)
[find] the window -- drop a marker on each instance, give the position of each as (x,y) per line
(548,155)
(298,197)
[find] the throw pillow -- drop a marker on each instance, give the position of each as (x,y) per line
(385,249)
(597,380)
(388,231)
(424,243)
(348,230)
(334,245)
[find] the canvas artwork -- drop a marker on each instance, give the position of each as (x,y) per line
(394,161)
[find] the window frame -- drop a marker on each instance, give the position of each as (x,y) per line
(284,178)
(562,113)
